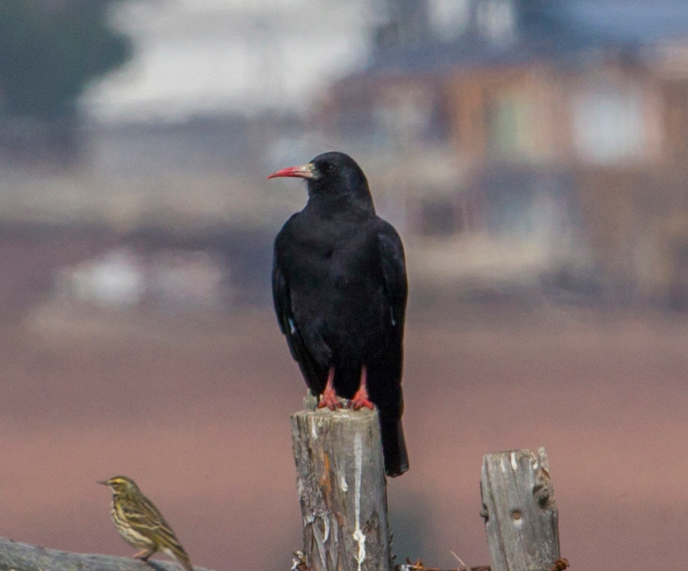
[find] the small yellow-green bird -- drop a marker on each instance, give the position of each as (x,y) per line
(141,524)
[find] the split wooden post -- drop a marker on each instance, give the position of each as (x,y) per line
(521,517)
(342,490)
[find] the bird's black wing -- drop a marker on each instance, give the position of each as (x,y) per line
(394,274)
(385,372)
(314,375)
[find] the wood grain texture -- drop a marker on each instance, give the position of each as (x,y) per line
(521,517)
(342,490)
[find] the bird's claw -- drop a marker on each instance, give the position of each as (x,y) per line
(360,401)
(330,401)
(358,405)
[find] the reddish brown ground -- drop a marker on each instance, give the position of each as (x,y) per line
(197,411)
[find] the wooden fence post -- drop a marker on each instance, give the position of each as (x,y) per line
(521,517)
(342,490)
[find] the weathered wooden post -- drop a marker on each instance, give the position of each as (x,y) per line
(521,517)
(342,489)
(17,556)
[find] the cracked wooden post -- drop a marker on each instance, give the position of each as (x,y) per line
(521,517)
(342,490)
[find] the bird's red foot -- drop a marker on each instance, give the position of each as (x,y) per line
(144,554)
(361,400)
(330,400)
(329,396)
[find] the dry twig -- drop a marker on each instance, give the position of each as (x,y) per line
(559,565)
(418,566)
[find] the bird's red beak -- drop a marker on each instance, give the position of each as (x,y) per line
(305,171)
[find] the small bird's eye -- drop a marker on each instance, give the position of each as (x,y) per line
(329,167)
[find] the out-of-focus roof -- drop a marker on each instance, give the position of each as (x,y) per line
(556,29)
(639,21)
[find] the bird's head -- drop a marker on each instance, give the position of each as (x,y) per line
(120,485)
(332,174)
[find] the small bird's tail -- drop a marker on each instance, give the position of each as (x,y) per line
(394,448)
(176,551)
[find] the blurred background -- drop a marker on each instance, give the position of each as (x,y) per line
(533,156)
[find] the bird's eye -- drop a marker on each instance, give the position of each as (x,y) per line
(329,167)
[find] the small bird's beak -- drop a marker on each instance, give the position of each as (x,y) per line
(104,483)
(305,171)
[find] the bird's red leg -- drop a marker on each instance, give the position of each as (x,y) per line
(361,397)
(329,397)
(144,554)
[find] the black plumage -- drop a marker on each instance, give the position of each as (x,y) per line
(339,287)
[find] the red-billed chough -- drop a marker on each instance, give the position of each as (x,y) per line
(339,288)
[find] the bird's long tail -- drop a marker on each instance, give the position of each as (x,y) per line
(394,448)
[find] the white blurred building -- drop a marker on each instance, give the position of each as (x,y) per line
(211,56)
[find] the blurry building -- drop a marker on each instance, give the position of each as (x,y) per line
(510,141)
(532,139)
(170,154)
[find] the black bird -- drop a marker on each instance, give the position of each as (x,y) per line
(339,288)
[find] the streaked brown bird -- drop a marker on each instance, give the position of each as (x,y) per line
(141,524)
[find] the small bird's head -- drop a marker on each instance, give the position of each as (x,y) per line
(331,174)
(120,485)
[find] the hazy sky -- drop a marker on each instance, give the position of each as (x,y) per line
(212,55)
